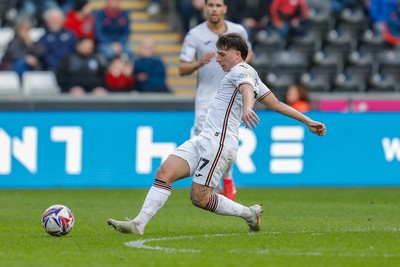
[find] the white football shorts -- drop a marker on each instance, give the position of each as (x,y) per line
(207,159)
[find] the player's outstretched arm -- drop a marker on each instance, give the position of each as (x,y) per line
(273,103)
(250,118)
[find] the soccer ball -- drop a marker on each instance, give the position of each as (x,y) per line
(58,220)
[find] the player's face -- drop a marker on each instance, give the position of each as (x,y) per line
(215,10)
(227,59)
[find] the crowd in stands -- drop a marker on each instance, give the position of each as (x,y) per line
(88,51)
(344,42)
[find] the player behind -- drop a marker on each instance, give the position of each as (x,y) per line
(198,54)
(209,154)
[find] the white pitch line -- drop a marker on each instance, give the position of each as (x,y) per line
(141,244)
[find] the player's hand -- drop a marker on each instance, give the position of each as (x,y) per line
(206,58)
(250,119)
(317,127)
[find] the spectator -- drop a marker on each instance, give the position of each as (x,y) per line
(297,97)
(57,41)
(149,69)
(80,20)
(189,12)
(391,29)
(289,16)
(34,9)
(82,71)
(253,15)
(66,5)
(22,54)
(113,31)
(154,7)
(119,75)
(379,11)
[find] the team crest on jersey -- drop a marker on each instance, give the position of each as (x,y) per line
(244,74)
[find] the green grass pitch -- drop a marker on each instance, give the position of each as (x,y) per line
(300,227)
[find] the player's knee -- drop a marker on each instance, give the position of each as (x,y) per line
(162,174)
(198,201)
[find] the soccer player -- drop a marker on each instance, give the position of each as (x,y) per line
(198,54)
(207,155)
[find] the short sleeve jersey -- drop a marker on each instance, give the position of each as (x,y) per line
(199,40)
(226,111)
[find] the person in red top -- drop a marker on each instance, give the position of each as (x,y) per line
(119,75)
(289,16)
(297,97)
(80,20)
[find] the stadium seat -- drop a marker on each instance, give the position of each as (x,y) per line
(389,61)
(39,83)
(10,84)
(383,82)
(262,63)
(290,61)
(36,33)
(348,81)
(340,41)
(319,17)
(309,42)
(268,41)
(353,17)
(279,83)
(372,41)
(315,81)
(6,35)
(328,62)
(361,62)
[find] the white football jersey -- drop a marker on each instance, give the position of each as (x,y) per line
(198,41)
(226,111)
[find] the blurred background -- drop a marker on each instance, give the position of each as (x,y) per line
(90,94)
(344,52)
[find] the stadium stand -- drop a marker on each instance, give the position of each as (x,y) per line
(10,84)
(341,60)
(39,83)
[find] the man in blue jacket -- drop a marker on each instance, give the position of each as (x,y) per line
(57,41)
(113,31)
(150,71)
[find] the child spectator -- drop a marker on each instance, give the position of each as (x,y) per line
(113,31)
(82,71)
(297,97)
(119,76)
(150,70)
(80,20)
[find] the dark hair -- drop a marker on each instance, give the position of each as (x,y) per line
(79,4)
(303,92)
(233,41)
(225,2)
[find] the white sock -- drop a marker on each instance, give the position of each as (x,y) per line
(222,205)
(154,201)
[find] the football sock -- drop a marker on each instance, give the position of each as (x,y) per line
(155,199)
(224,206)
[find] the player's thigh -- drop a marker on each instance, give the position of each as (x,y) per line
(172,169)
(184,158)
(215,160)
